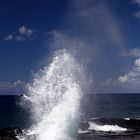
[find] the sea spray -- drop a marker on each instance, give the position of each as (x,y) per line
(54,99)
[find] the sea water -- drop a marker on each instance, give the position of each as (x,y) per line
(93,106)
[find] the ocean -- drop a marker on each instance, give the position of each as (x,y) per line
(12,114)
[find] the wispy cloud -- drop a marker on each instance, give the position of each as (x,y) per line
(132,52)
(9,37)
(136,1)
(25,31)
(11,87)
(22,34)
(133,75)
(4,85)
(16,87)
(137,13)
(19,38)
(124,83)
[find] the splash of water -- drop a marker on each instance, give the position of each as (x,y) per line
(54,98)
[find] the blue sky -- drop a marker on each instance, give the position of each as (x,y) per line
(104,32)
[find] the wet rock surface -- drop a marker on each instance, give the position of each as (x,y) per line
(93,135)
(132,132)
(10,133)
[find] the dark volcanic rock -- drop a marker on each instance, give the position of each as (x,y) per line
(98,137)
(10,133)
(94,135)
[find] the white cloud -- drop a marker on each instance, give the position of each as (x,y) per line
(136,1)
(137,14)
(4,85)
(25,31)
(22,34)
(126,83)
(18,82)
(108,82)
(133,52)
(137,63)
(133,75)
(123,78)
(19,38)
(9,37)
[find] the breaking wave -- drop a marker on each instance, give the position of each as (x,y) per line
(106,128)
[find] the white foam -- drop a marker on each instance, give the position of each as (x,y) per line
(83,131)
(137,118)
(127,119)
(54,97)
(106,128)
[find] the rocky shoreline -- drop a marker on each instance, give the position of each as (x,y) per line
(12,133)
(93,129)
(131,135)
